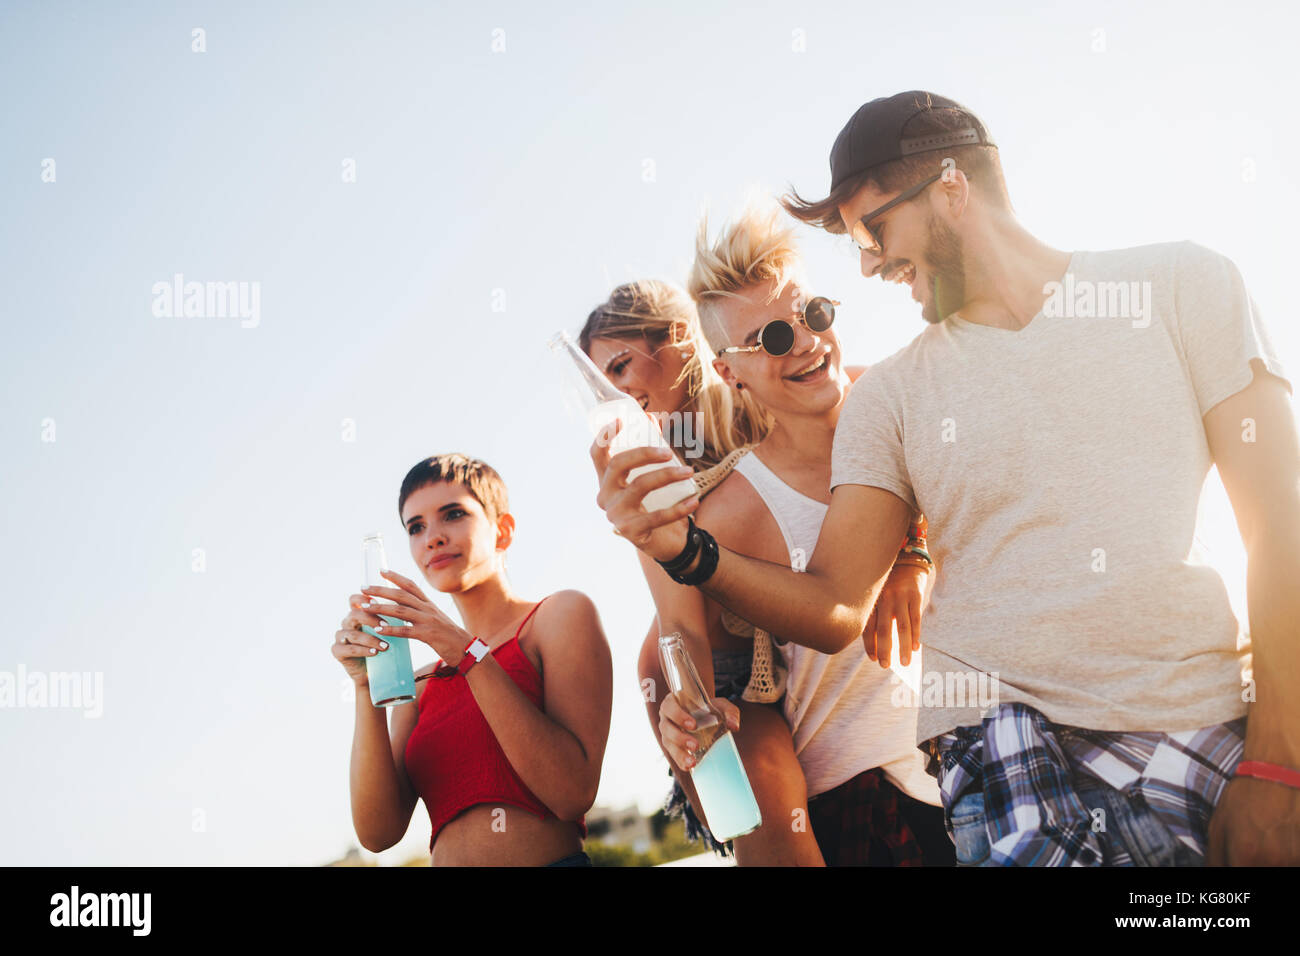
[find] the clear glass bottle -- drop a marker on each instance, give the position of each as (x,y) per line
(389,673)
(719,776)
(602,403)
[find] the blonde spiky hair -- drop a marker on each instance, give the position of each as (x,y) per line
(756,248)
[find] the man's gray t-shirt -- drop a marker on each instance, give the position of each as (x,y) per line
(1060,468)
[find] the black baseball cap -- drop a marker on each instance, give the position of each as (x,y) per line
(874,134)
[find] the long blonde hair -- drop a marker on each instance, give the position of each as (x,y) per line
(664,314)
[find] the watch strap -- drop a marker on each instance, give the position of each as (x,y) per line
(476,651)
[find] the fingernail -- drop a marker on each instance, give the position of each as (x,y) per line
(372,650)
(367,604)
(383,646)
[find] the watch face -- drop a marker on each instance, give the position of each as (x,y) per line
(479,649)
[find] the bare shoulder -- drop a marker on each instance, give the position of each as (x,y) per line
(854,372)
(567,614)
(738,518)
(734,497)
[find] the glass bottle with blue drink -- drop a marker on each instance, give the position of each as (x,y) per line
(726,797)
(389,673)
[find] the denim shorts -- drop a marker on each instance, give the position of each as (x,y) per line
(731,670)
(1132,826)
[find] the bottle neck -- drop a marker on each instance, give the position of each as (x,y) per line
(586,370)
(683,678)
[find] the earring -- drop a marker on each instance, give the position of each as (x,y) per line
(684,355)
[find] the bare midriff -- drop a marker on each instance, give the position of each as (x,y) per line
(502,835)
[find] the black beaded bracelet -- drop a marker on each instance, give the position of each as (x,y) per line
(689,550)
(708,562)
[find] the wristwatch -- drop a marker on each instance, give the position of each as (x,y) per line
(476,651)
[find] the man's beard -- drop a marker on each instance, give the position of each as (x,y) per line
(948,278)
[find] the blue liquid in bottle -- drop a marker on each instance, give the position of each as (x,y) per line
(726,798)
(725,794)
(389,673)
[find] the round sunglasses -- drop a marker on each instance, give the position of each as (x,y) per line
(777,337)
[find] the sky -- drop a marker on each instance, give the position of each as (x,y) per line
(422,194)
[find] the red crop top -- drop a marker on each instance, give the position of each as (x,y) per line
(452,757)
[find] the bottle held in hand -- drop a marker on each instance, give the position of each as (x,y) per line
(719,776)
(389,673)
(602,403)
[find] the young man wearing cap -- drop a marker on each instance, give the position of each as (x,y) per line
(1056,420)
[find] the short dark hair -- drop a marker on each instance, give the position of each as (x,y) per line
(479,478)
(980,164)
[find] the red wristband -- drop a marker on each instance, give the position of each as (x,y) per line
(1262,770)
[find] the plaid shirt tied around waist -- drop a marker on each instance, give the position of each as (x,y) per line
(1030,769)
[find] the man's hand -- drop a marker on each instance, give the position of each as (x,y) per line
(676,724)
(660,534)
(1257,823)
(900,600)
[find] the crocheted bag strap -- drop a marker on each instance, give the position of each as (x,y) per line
(768,676)
(710,478)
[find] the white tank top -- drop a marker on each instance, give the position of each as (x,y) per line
(838,706)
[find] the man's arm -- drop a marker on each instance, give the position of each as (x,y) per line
(824,608)
(1253,438)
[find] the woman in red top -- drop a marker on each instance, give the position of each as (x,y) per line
(506,739)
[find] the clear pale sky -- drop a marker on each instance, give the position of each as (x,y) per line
(497,198)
